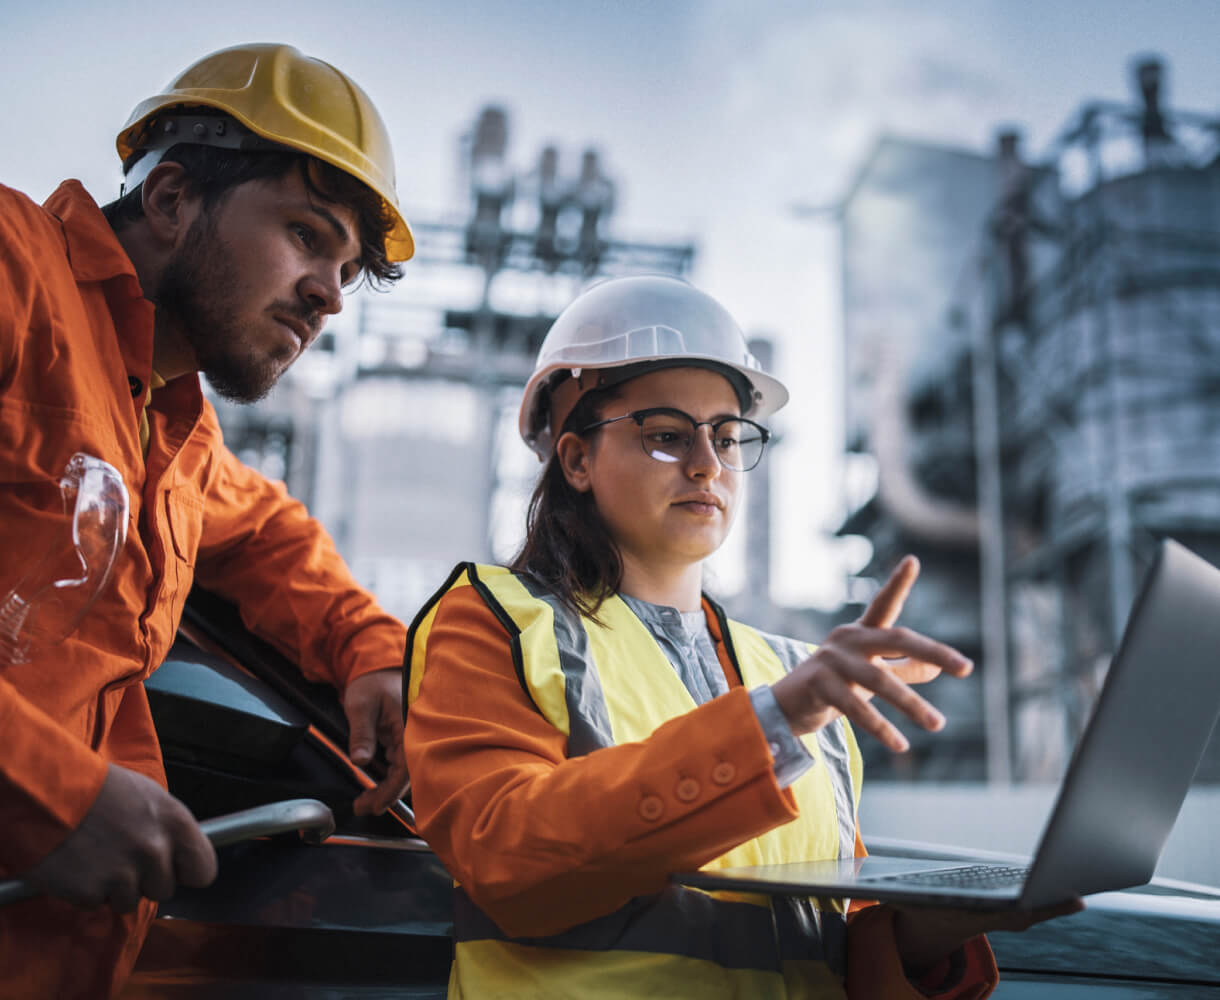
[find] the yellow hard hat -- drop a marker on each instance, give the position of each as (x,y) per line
(289,99)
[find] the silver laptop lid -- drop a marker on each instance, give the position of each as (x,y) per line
(1134,763)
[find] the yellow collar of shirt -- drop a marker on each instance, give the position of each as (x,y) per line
(154,382)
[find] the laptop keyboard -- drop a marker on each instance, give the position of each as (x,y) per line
(966,877)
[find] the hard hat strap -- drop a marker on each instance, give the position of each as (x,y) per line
(166,131)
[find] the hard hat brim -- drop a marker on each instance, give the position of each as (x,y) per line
(770,394)
(260,86)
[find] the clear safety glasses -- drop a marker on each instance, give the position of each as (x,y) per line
(668,434)
(48,603)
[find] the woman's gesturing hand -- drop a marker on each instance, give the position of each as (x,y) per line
(867,658)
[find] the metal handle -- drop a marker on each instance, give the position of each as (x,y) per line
(15,891)
(309,816)
(313,819)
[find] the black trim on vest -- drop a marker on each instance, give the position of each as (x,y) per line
(676,921)
(510,626)
(417,621)
(725,635)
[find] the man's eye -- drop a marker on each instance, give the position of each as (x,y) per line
(303,233)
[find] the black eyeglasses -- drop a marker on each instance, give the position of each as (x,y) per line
(668,435)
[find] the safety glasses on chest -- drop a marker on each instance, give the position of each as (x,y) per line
(668,434)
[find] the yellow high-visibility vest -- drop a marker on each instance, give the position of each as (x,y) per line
(609,683)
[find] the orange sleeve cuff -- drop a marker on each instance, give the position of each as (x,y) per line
(875,972)
(48,781)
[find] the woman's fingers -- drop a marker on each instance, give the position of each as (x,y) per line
(884,684)
(836,681)
(911,671)
(901,643)
(863,715)
(885,607)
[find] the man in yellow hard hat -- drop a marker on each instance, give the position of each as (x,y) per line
(259,185)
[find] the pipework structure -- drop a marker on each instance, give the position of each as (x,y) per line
(1060,414)
(1096,325)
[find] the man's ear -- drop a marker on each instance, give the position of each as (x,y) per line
(170,206)
(572,451)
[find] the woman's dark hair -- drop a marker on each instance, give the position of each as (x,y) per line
(213,172)
(568,546)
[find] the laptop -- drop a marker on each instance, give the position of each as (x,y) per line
(1122,792)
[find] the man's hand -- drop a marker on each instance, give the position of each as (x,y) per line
(135,841)
(924,935)
(373,703)
(870,657)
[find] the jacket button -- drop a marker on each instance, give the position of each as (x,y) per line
(687,790)
(723,773)
(651,808)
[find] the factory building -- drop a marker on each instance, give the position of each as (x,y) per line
(1033,358)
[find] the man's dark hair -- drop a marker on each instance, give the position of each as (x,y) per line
(568,546)
(213,172)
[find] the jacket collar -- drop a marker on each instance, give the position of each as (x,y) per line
(94,252)
(95,255)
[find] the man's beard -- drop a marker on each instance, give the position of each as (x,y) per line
(196,295)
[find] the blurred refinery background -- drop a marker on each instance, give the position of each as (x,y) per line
(1032,371)
(1032,395)
(981,240)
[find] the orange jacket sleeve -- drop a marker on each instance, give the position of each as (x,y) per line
(541,842)
(48,781)
(260,549)
(48,778)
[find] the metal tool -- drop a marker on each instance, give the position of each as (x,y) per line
(311,818)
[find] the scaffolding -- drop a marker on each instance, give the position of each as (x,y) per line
(1095,356)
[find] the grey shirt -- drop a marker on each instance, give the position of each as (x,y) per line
(688,646)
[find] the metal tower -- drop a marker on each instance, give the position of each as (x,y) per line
(392,428)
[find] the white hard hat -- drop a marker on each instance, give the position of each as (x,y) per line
(637,324)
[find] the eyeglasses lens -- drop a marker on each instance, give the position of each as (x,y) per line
(668,437)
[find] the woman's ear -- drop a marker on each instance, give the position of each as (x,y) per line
(572,452)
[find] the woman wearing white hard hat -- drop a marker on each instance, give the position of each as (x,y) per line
(586,721)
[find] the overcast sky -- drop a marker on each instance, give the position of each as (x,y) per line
(713,117)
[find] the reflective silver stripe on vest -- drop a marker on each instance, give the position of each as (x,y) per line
(588,720)
(679,921)
(832,741)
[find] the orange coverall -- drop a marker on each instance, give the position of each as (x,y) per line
(542,842)
(76,341)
